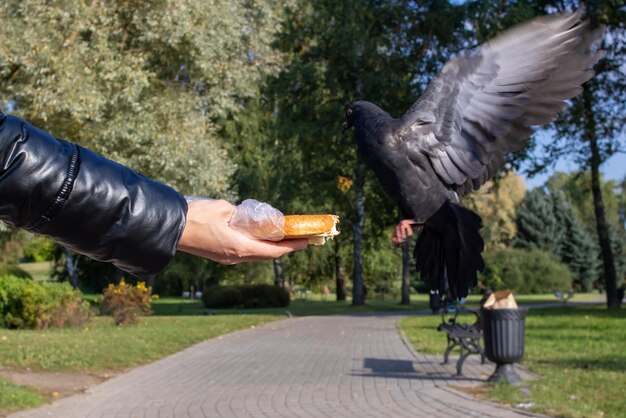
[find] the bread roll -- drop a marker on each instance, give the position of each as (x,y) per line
(316,228)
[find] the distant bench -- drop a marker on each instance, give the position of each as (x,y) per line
(466,336)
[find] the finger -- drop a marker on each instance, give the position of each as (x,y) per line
(407,231)
(290,245)
(266,250)
(393,239)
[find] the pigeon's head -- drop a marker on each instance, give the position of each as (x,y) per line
(358,113)
(349,123)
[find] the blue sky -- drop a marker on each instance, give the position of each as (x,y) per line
(612,169)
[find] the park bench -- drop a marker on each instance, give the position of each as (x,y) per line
(466,336)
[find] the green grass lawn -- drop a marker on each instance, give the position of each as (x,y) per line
(104,346)
(177,306)
(39,271)
(578,352)
(315,305)
(14,397)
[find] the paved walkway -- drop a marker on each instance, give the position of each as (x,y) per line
(335,366)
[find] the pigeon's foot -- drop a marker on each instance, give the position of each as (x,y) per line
(403,232)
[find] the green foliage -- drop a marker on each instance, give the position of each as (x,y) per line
(537,227)
(382,265)
(577,248)
(525,271)
(551,223)
(11,243)
(576,188)
(25,303)
(141,91)
(245,296)
(336,53)
(93,276)
(38,249)
(185,271)
(12,270)
(497,203)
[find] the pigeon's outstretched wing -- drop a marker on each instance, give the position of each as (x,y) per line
(481,107)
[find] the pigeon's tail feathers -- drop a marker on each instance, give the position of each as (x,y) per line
(448,250)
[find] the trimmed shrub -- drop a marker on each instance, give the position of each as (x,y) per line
(245,296)
(15,271)
(222,297)
(525,271)
(126,303)
(25,303)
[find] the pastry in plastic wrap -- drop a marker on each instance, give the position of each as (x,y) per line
(262,221)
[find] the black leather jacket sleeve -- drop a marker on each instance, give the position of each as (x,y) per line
(86,202)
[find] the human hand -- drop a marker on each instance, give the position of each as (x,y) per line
(207,234)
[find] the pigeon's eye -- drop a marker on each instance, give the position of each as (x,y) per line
(349,112)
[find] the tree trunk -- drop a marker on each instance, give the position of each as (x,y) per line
(340,280)
(406,274)
(279,273)
(71,263)
(610,274)
(358,294)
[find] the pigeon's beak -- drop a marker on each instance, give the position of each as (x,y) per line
(346,126)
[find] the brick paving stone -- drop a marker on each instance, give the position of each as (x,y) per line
(313,367)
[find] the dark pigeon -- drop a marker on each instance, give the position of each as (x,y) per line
(478,109)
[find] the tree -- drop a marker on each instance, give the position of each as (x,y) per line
(339,52)
(577,189)
(126,79)
(577,248)
(592,129)
(549,222)
(497,203)
(537,227)
(143,83)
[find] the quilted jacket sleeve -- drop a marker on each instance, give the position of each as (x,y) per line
(86,202)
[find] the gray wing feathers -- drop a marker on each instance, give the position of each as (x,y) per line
(485,105)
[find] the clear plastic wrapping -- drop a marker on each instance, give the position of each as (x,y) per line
(259,220)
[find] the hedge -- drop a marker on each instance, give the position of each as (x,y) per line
(525,271)
(245,296)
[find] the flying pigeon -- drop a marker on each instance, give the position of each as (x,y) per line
(479,108)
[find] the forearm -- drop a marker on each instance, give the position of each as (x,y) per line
(85,201)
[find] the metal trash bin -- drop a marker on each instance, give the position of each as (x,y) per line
(503,337)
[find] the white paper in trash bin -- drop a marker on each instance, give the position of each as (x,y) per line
(500,300)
